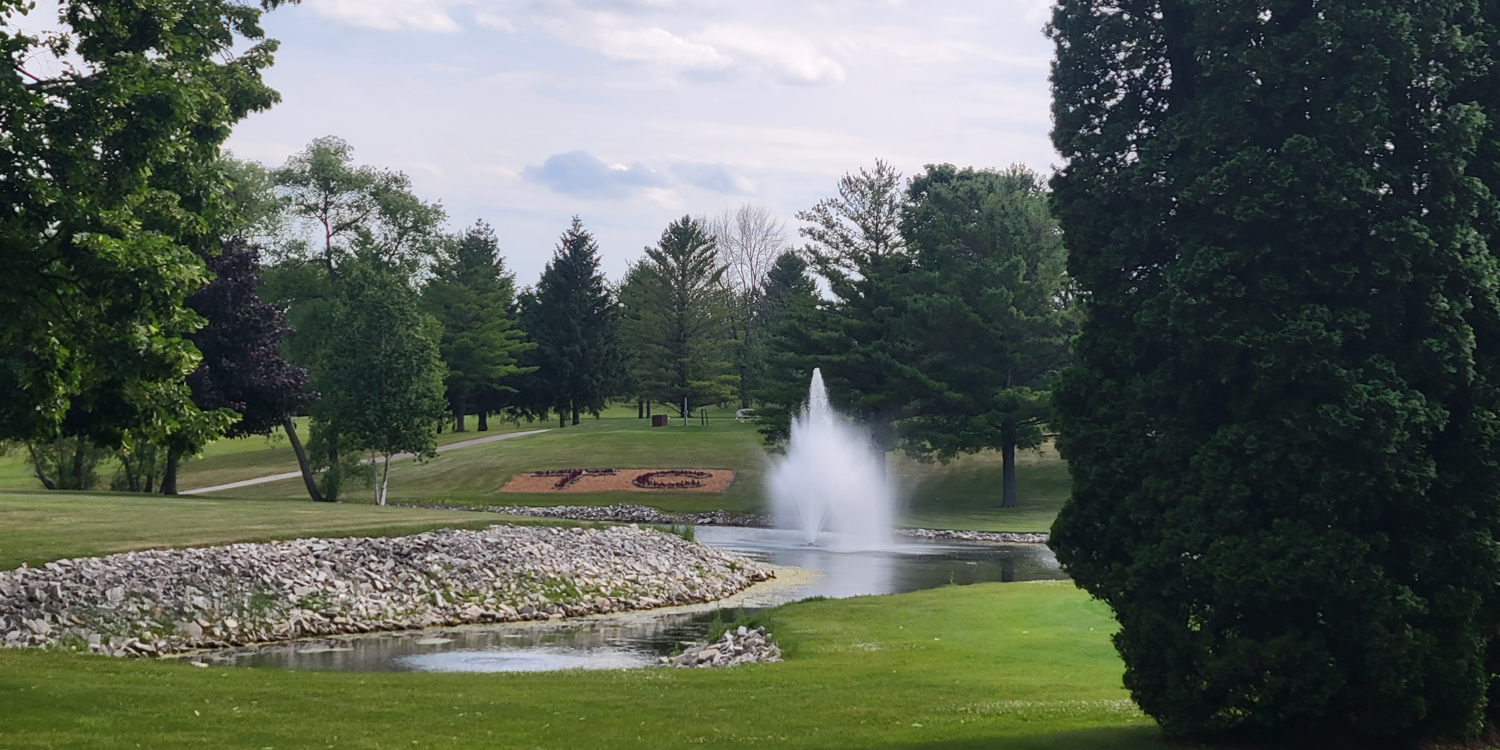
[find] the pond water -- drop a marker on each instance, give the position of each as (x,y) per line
(640,638)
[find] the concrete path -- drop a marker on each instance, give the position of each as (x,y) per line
(397,457)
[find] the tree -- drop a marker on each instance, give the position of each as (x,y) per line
(107,170)
(748,240)
(338,210)
(988,314)
(793,326)
(574,322)
(855,245)
(384,378)
(1281,419)
(339,203)
(471,295)
(242,368)
(679,326)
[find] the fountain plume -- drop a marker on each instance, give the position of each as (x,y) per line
(832,481)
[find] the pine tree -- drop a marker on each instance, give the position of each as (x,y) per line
(795,335)
(678,324)
(471,294)
(1281,422)
(573,319)
(988,314)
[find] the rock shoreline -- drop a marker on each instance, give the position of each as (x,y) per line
(171,601)
(740,645)
(631,513)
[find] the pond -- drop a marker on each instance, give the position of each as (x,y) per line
(640,638)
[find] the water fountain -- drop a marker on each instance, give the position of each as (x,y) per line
(832,486)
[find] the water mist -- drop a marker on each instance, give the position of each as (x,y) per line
(832,480)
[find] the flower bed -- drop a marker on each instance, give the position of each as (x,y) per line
(649,479)
(620,480)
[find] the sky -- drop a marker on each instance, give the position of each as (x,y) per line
(631,113)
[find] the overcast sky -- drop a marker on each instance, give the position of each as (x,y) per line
(630,113)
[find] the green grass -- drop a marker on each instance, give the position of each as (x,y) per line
(38,526)
(986,666)
(963,494)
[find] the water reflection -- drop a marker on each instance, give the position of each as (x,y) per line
(640,639)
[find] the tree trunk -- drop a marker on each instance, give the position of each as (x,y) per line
(640,409)
(36,466)
(302,463)
(385,480)
(459,407)
(78,465)
(169,476)
(575,413)
(1008,470)
(562,418)
(484,420)
(648,408)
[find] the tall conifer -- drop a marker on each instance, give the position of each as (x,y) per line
(1281,424)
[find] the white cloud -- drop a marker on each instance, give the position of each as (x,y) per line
(388,15)
(791,57)
(657,45)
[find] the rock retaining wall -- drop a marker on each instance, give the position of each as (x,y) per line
(629,513)
(168,601)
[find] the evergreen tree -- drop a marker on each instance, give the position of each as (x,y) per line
(679,323)
(573,320)
(987,314)
(1281,421)
(794,333)
(471,295)
(383,386)
(856,247)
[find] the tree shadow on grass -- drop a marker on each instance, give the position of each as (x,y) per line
(1113,738)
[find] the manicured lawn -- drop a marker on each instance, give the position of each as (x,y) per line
(985,666)
(37,526)
(963,494)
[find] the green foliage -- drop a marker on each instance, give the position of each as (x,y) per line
(383,380)
(66,463)
(109,174)
(677,321)
(573,320)
(988,313)
(793,324)
(1281,423)
(855,245)
(471,296)
(343,209)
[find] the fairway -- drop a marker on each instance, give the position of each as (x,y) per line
(984,666)
(40,526)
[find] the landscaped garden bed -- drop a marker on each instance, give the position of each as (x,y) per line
(621,480)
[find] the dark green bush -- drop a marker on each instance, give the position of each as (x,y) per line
(1281,423)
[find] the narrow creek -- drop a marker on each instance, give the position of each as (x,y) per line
(640,638)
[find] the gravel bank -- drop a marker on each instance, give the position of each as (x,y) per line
(629,513)
(169,601)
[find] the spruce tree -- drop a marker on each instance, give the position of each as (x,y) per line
(573,319)
(1281,421)
(795,337)
(988,314)
(471,294)
(679,321)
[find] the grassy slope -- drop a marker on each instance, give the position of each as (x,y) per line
(37,526)
(961,494)
(991,666)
